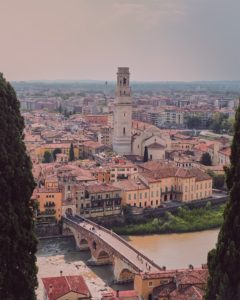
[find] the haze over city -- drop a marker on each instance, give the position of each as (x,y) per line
(120,142)
(159,40)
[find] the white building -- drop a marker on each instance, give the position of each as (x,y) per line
(122,124)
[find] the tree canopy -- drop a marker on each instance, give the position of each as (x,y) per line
(55,152)
(221,123)
(17,239)
(71,153)
(206,159)
(224,260)
(145,155)
(47,157)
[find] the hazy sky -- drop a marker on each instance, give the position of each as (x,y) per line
(182,40)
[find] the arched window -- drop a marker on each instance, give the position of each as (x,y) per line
(124,81)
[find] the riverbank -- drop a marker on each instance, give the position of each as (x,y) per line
(60,254)
(185,220)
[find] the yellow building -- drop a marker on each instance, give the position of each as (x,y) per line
(64,147)
(50,203)
(184,284)
(162,183)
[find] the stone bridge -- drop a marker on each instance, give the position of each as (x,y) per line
(108,248)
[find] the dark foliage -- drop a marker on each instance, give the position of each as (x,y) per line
(224,261)
(18,244)
(55,152)
(47,157)
(206,159)
(145,155)
(71,153)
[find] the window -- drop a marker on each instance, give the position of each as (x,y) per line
(135,196)
(140,195)
(150,283)
(129,196)
(124,131)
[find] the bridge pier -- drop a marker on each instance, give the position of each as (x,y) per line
(122,271)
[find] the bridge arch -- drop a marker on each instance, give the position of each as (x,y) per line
(103,255)
(83,244)
(126,275)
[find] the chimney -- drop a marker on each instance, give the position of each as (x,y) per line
(50,289)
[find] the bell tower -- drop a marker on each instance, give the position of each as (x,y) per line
(122,122)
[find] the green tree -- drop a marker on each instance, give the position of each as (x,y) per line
(55,152)
(60,109)
(71,153)
(221,123)
(145,155)
(206,159)
(218,180)
(17,238)
(224,260)
(47,157)
(194,122)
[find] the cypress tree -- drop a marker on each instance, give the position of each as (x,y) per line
(224,261)
(145,155)
(47,157)
(71,153)
(55,152)
(206,159)
(18,243)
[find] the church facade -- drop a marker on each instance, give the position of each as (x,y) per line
(127,137)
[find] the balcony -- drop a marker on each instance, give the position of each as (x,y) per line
(49,204)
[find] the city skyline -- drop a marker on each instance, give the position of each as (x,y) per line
(189,40)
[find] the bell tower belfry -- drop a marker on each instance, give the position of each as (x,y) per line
(122,119)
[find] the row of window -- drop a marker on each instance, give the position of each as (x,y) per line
(50,196)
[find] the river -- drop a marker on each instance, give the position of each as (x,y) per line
(170,250)
(176,250)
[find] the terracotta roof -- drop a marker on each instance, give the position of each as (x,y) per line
(130,185)
(226,151)
(122,295)
(92,144)
(154,165)
(185,293)
(156,146)
(101,187)
(57,287)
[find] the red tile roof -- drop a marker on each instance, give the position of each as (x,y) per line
(122,295)
(57,287)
